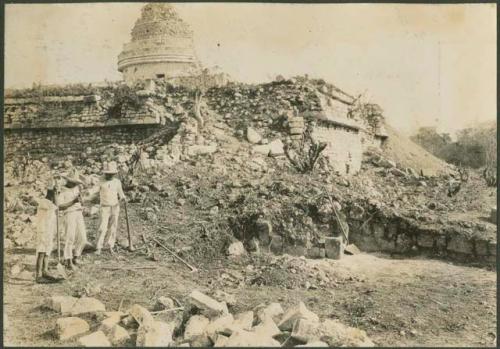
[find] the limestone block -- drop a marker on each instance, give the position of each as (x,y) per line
(296,130)
(273,310)
(155,334)
(219,324)
(110,322)
(267,328)
(195,327)
(253,136)
(293,314)
(305,330)
(337,334)
(96,339)
(334,247)
(244,338)
(244,320)
(208,306)
(165,303)
(221,341)
(236,249)
(87,305)
(118,335)
(460,244)
(61,304)
(141,315)
(70,327)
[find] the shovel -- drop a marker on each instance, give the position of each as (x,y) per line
(60,268)
(130,246)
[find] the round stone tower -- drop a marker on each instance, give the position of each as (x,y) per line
(161,46)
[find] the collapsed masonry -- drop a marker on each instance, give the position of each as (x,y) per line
(53,122)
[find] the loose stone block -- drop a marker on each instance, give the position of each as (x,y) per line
(334,247)
(195,327)
(61,304)
(293,314)
(70,327)
(209,306)
(96,339)
(156,334)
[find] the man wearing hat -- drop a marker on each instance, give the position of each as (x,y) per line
(45,232)
(69,201)
(110,191)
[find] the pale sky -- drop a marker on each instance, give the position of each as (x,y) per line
(426,65)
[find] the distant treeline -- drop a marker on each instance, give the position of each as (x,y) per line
(474,147)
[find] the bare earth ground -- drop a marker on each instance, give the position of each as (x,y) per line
(398,302)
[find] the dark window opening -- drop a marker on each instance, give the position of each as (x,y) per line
(160,76)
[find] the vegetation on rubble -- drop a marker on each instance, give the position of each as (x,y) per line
(305,154)
(121,98)
(38,90)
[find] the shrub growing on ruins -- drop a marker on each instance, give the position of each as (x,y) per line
(305,154)
(121,98)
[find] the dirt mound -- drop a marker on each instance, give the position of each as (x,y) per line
(408,154)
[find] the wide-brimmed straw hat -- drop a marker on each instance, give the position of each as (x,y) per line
(110,168)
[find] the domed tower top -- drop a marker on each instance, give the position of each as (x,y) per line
(159,19)
(161,46)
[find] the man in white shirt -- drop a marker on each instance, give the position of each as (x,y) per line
(69,201)
(45,232)
(110,190)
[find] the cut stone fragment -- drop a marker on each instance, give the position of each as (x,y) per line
(236,249)
(61,304)
(141,315)
(86,305)
(110,322)
(96,339)
(221,341)
(118,335)
(218,325)
(305,330)
(208,306)
(336,334)
(244,320)
(273,310)
(165,303)
(267,328)
(195,327)
(242,338)
(334,247)
(155,334)
(293,314)
(70,327)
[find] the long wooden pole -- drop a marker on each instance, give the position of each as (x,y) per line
(176,256)
(130,246)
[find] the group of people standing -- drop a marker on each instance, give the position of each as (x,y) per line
(64,210)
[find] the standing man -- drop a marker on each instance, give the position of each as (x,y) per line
(45,232)
(110,190)
(69,201)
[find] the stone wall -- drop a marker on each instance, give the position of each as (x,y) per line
(57,125)
(344,148)
(53,142)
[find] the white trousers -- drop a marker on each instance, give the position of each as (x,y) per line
(109,219)
(76,235)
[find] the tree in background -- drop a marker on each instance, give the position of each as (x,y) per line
(474,147)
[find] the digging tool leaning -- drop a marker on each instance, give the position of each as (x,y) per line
(130,246)
(193,269)
(59,266)
(346,237)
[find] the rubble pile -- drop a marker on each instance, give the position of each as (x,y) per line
(205,322)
